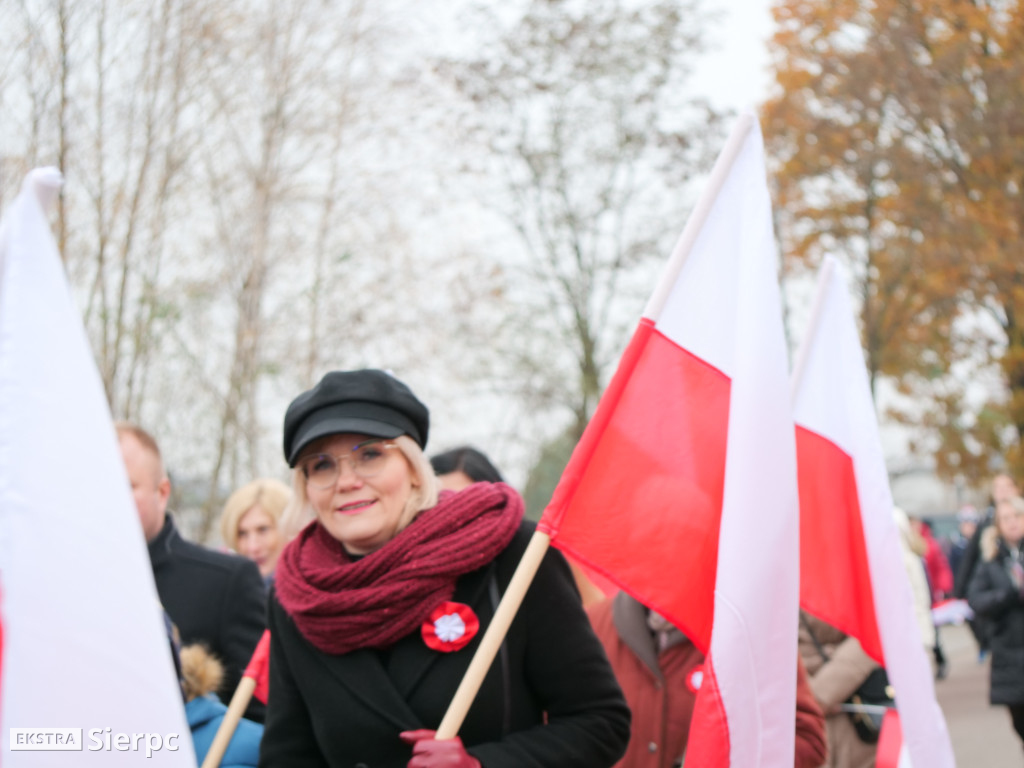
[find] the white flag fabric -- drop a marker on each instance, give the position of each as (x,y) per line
(683,489)
(852,573)
(86,664)
(753,640)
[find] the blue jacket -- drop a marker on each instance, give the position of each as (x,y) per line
(205,714)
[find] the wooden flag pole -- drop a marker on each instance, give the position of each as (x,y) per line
(239,701)
(494,636)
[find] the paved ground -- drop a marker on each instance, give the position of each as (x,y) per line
(982,735)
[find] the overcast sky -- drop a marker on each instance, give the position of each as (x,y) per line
(736,74)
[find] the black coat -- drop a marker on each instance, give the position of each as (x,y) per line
(993,595)
(346,711)
(214,599)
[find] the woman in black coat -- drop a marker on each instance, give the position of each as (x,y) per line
(996,592)
(380,603)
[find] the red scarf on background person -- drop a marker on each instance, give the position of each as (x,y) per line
(341,605)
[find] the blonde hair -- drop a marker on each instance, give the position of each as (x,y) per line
(1015,502)
(271,495)
(424,492)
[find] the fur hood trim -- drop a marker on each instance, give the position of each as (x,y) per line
(201,671)
(989,544)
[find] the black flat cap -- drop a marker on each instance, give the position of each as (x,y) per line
(366,402)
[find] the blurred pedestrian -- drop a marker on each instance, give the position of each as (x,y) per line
(966,524)
(660,671)
(913,562)
(213,598)
(940,584)
(837,665)
(996,592)
(251,523)
(204,711)
(461,467)
(1003,487)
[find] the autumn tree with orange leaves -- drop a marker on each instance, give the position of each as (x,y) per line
(899,137)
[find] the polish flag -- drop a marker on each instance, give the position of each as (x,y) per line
(851,565)
(84,645)
(683,490)
(258,669)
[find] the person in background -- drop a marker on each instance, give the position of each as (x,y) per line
(251,523)
(1003,487)
(966,524)
(212,597)
(837,666)
(379,604)
(996,592)
(461,467)
(913,548)
(940,584)
(660,671)
(204,711)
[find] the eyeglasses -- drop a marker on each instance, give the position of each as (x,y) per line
(367,459)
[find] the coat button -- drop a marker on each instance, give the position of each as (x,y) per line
(652,747)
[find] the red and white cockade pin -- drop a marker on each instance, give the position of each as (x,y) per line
(695,678)
(450,627)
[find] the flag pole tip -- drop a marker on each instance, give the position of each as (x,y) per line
(45,184)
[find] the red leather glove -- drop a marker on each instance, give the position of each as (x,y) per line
(428,752)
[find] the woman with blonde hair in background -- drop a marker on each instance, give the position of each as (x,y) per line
(251,523)
(996,592)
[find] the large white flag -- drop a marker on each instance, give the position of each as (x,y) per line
(852,573)
(86,665)
(683,489)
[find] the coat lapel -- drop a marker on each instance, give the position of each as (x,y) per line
(411,658)
(363,674)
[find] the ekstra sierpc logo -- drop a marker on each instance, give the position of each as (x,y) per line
(99,739)
(46,739)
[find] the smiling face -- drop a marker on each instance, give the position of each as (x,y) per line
(259,539)
(363,513)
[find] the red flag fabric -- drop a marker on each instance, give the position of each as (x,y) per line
(891,753)
(258,668)
(683,491)
(619,507)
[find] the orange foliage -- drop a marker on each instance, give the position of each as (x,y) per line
(898,134)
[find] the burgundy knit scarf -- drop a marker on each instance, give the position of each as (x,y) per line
(340,605)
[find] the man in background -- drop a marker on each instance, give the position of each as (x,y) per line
(214,599)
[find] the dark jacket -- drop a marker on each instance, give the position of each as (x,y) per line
(968,560)
(993,595)
(562,707)
(214,599)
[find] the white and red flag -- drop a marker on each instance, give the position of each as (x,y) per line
(851,565)
(683,488)
(86,662)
